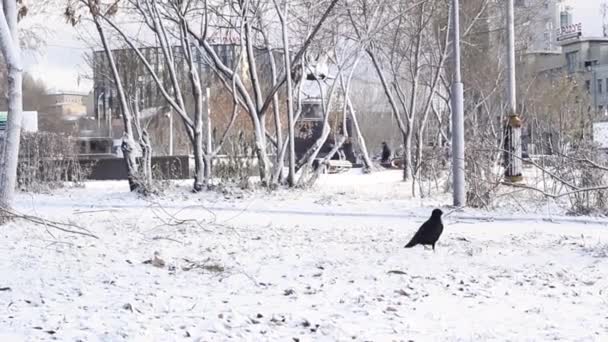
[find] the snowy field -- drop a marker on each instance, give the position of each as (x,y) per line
(322,265)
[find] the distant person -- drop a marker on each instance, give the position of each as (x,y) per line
(386,153)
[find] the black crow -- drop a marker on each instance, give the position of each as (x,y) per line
(429,232)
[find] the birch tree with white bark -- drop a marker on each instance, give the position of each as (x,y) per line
(11,50)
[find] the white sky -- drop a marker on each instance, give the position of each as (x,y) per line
(61,65)
(588,13)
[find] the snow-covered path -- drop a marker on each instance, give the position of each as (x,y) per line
(313,205)
(247,275)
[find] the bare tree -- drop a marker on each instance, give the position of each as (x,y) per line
(11,49)
(139,177)
(290,105)
(242,18)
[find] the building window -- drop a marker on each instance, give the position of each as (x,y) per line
(590,64)
(599,86)
(572,61)
(600,109)
(588,85)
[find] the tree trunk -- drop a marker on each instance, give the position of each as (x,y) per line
(420,141)
(275,105)
(145,146)
(9,44)
(263,162)
(199,163)
(209,155)
(348,105)
(290,120)
(308,160)
(283,152)
(323,163)
(8,178)
(199,172)
(277,125)
(128,142)
(407,153)
(128,151)
(362,144)
(12,136)
(146,151)
(201,137)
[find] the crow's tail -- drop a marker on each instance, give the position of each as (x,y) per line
(411,244)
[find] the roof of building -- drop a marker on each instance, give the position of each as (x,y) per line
(68,93)
(59,104)
(542,52)
(585,40)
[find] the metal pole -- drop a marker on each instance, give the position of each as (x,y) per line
(511,57)
(514,171)
(459,194)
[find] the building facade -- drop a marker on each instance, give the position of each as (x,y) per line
(62,112)
(547,17)
(588,58)
(65,106)
(585,57)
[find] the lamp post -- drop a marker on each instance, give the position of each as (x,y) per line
(513,148)
(459,194)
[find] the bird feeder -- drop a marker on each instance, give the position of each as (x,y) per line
(513,150)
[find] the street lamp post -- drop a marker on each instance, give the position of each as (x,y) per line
(511,56)
(459,194)
(513,146)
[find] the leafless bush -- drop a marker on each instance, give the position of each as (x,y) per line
(583,169)
(430,169)
(577,179)
(237,165)
(47,161)
(483,176)
(163,174)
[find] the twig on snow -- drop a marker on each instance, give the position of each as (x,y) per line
(61,226)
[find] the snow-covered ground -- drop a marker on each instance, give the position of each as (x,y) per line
(320,265)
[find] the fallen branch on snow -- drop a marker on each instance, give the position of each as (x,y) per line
(396,272)
(64,227)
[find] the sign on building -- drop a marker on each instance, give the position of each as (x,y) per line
(29,123)
(569,32)
(600,134)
